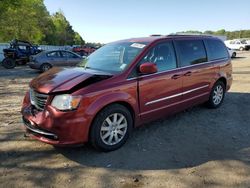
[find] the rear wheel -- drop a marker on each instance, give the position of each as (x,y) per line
(217,95)
(111,128)
(9,63)
(241,48)
(45,67)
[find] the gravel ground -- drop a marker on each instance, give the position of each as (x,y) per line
(199,147)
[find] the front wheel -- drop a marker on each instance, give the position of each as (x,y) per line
(217,95)
(111,128)
(9,63)
(234,55)
(45,67)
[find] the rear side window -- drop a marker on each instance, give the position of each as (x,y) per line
(68,55)
(191,52)
(216,49)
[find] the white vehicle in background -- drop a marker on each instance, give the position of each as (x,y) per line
(232,52)
(237,44)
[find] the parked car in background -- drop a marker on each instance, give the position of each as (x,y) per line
(84,51)
(232,52)
(123,85)
(18,53)
(54,58)
(237,44)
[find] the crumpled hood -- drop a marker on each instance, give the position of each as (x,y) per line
(63,79)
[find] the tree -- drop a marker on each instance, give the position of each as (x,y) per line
(220,32)
(30,20)
(63,32)
(20,19)
(78,39)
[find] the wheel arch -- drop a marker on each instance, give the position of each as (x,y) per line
(120,102)
(223,80)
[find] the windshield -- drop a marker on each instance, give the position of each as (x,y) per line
(114,57)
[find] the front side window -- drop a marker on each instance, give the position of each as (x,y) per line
(191,52)
(114,57)
(163,55)
(55,54)
(216,49)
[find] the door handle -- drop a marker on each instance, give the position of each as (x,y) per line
(188,73)
(176,76)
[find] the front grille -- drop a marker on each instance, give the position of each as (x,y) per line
(38,100)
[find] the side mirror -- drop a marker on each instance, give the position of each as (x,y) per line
(148,68)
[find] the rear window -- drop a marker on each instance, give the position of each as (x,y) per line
(216,49)
(191,52)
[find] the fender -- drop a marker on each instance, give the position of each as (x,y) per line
(109,98)
(223,71)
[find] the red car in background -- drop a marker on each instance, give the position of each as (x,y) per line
(84,50)
(123,85)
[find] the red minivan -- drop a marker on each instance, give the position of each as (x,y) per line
(123,85)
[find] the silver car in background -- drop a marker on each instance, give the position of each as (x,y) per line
(54,58)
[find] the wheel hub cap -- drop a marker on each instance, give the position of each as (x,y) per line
(218,95)
(113,129)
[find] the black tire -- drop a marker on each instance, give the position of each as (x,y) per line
(97,134)
(9,63)
(211,103)
(234,55)
(45,67)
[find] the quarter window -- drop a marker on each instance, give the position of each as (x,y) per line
(163,55)
(191,52)
(216,49)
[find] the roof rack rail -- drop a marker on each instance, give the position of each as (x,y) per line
(156,35)
(189,34)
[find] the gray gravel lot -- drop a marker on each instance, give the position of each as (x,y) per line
(199,147)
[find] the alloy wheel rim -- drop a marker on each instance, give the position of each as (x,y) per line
(218,95)
(113,129)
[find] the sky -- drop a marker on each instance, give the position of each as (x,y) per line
(110,20)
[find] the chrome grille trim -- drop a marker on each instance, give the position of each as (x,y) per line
(30,126)
(38,100)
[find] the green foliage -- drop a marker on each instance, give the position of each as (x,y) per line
(229,34)
(78,39)
(30,20)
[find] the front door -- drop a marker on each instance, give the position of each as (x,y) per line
(55,58)
(160,93)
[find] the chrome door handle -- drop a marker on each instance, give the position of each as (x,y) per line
(176,76)
(188,73)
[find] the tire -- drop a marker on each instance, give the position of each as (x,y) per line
(45,67)
(241,48)
(107,136)
(234,55)
(217,95)
(9,63)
